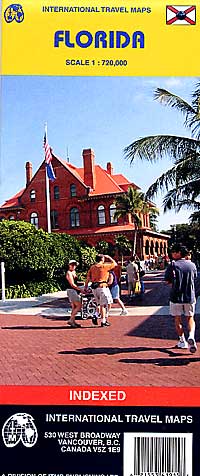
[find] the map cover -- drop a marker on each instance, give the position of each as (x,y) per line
(99,156)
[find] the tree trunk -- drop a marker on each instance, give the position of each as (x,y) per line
(135,240)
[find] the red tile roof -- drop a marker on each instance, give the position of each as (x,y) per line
(74,170)
(13,201)
(124,182)
(99,231)
(105,183)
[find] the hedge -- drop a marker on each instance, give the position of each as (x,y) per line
(31,289)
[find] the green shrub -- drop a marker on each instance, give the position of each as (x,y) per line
(31,289)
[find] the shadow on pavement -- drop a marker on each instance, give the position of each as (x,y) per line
(160,327)
(44,328)
(176,362)
(120,350)
(35,328)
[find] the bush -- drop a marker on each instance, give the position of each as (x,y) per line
(34,254)
(36,261)
(30,289)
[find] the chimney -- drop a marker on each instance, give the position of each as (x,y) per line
(110,168)
(89,168)
(29,172)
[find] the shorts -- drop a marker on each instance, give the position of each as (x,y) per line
(115,291)
(102,296)
(73,295)
(177,309)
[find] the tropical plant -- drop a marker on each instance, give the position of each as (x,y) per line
(189,235)
(132,203)
(102,247)
(153,219)
(182,180)
(123,246)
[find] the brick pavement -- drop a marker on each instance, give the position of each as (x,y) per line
(136,350)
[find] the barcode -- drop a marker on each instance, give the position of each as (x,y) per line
(159,454)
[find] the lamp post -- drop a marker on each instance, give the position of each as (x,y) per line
(3,293)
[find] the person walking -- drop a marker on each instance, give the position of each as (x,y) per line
(118,274)
(114,289)
(73,292)
(98,274)
(181,275)
(132,276)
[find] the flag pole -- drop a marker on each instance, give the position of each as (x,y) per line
(47,194)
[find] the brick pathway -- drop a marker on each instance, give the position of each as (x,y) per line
(136,350)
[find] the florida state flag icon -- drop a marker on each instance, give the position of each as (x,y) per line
(180,15)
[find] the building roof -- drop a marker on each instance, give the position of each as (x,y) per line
(105,183)
(128,227)
(13,201)
(105,229)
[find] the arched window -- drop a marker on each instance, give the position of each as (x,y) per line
(32,195)
(11,217)
(156,247)
(54,219)
(112,213)
(74,217)
(147,247)
(161,247)
(73,190)
(152,247)
(34,219)
(101,215)
(56,192)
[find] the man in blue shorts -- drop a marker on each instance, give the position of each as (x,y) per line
(181,274)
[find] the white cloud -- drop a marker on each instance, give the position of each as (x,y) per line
(171,82)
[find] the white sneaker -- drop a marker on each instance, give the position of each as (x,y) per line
(124,312)
(192,345)
(182,344)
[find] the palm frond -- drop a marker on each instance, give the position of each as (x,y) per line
(196,96)
(191,112)
(130,203)
(194,122)
(172,100)
(193,159)
(195,217)
(190,190)
(166,180)
(152,148)
(177,199)
(154,211)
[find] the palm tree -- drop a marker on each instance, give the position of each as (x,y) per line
(132,203)
(182,180)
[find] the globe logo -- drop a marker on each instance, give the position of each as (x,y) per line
(19,427)
(181,15)
(14,13)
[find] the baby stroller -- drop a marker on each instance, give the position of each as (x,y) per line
(88,305)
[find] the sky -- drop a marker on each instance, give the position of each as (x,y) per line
(102,113)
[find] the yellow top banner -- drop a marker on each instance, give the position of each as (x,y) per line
(99,38)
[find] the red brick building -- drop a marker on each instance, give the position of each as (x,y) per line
(82,204)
